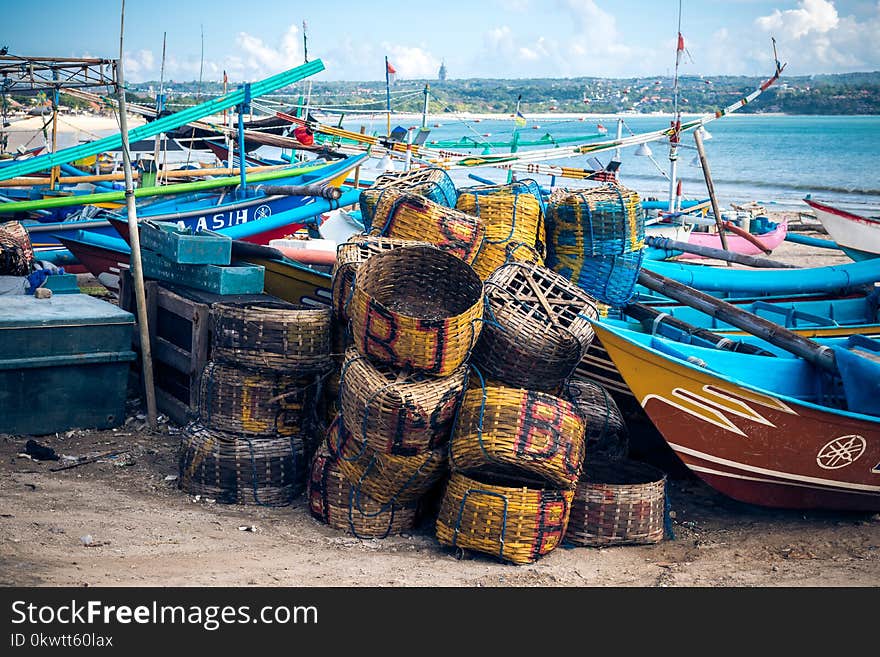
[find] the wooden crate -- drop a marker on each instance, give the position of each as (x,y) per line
(179,321)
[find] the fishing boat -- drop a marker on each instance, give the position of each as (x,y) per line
(769,234)
(105,256)
(857,235)
(761,434)
(211,209)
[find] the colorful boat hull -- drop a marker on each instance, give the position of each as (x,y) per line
(858,236)
(747,443)
(737,243)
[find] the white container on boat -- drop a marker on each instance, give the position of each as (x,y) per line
(317,244)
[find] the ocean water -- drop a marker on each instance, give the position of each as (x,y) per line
(775,160)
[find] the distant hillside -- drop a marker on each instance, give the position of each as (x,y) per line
(849,93)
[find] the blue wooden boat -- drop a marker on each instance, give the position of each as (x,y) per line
(772,431)
(205,210)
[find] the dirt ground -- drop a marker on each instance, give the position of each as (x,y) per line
(145,532)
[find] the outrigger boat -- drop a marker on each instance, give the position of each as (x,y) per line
(768,433)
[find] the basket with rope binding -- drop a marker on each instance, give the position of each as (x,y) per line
(416,307)
(517,524)
(397,411)
(538,329)
(407,216)
(512,217)
(386,478)
(272,335)
(525,186)
(238,469)
(332,501)
(605,220)
(16,251)
(349,256)
(620,502)
(255,402)
(610,279)
(433,183)
(607,437)
(518,436)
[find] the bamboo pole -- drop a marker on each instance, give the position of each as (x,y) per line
(819,355)
(136,265)
(174,173)
(704,164)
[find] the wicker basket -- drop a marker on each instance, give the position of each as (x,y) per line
(539,328)
(525,186)
(513,524)
(618,503)
(417,307)
(605,220)
(385,478)
(512,218)
(610,279)
(397,412)
(349,256)
(332,501)
(16,252)
(412,217)
(607,436)
(255,402)
(272,335)
(518,436)
(237,469)
(433,183)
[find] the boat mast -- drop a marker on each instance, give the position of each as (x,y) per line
(676,122)
(160,104)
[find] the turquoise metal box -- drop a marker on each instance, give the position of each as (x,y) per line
(63,363)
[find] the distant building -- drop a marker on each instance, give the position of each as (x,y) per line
(442,73)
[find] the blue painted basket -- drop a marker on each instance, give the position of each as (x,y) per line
(610,279)
(606,220)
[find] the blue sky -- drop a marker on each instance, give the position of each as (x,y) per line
(477,38)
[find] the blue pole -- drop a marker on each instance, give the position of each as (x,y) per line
(242,164)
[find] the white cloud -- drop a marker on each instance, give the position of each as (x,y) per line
(818,16)
(412,61)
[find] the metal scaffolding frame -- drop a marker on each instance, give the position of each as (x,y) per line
(23,75)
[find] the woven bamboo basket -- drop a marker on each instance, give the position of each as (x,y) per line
(513,524)
(16,252)
(518,436)
(235,469)
(394,412)
(408,216)
(433,183)
(525,186)
(605,220)
(332,501)
(417,307)
(512,218)
(349,256)
(538,329)
(255,402)
(386,478)
(607,437)
(272,335)
(610,279)
(618,503)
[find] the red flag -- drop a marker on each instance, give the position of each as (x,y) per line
(680,42)
(391,69)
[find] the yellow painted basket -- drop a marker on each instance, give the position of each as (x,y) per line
(349,256)
(332,500)
(412,217)
(512,524)
(433,183)
(417,307)
(386,478)
(513,219)
(518,436)
(393,412)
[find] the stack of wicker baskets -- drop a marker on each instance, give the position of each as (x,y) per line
(596,240)
(413,314)
(257,427)
(432,183)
